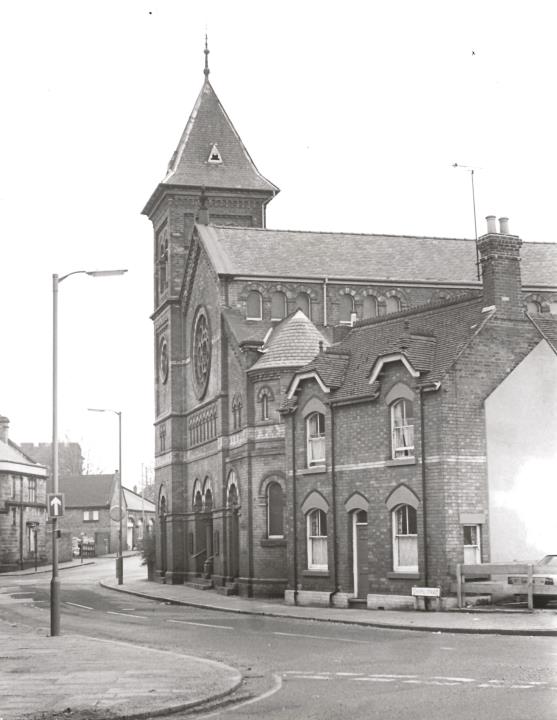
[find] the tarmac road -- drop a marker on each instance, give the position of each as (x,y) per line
(299,668)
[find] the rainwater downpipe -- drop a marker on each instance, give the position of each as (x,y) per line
(294,510)
(425,388)
(334,507)
(325,282)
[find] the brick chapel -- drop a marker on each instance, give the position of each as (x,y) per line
(324,432)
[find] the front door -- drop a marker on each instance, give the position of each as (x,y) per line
(360,551)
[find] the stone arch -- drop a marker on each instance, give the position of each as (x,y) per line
(356,501)
(315,501)
(314,404)
(269,478)
(402,495)
(232,489)
(399,390)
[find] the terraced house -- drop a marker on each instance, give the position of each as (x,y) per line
(323,399)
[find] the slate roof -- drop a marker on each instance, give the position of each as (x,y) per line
(135,503)
(430,337)
(209,125)
(395,259)
(87,491)
(250,332)
(547,325)
(292,343)
(12,453)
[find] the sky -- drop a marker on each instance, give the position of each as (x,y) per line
(356,110)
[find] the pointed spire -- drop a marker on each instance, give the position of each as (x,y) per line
(206,71)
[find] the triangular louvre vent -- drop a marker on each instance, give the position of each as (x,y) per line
(214,155)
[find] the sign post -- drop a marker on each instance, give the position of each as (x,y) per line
(55,505)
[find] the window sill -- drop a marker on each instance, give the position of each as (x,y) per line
(315,469)
(272,542)
(401,461)
(403,576)
(315,573)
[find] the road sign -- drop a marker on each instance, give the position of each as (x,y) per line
(116,513)
(55,504)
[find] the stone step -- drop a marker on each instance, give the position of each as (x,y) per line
(231,589)
(200,584)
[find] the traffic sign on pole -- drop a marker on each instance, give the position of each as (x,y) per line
(55,505)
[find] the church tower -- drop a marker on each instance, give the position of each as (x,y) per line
(210,178)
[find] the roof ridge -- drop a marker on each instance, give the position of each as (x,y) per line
(342,232)
(417,309)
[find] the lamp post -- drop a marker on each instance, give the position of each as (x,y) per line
(55,581)
(119,558)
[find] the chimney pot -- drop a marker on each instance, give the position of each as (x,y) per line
(491,224)
(4,426)
(504,225)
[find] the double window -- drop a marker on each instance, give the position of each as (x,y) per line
(405,539)
(90,515)
(32,490)
(317,540)
(315,435)
(402,429)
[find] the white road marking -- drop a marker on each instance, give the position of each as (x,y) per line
(276,687)
(458,679)
(321,637)
(375,679)
(85,607)
(112,612)
(189,622)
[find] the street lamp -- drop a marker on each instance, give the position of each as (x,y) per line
(119,559)
(55,581)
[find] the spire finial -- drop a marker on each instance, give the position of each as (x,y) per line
(206,51)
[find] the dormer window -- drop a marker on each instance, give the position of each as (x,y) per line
(214,156)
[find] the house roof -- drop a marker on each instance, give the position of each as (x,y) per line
(292,343)
(83,491)
(135,503)
(250,332)
(14,459)
(210,127)
(547,326)
(396,259)
(430,338)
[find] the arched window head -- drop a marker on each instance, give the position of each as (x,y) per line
(402,429)
(232,493)
(533,307)
(278,306)
(163,261)
(208,501)
(303,303)
(254,306)
(370,307)
(315,437)
(392,304)
(265,407)
(316,529)
(405,539)
(275,510)
(346,308)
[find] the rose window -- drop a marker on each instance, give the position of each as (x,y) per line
(201,353)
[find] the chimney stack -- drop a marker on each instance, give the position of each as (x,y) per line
(500,260)
(4,425)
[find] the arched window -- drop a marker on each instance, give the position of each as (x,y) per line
(265,407)
(402,429)
(163,261)
(232,493)
(315,436)
(278,305)
(370,307)
(303,303)
(253,306)
(533,307)
(275,510)
(317,540)
(392,304)
(346,308)
(405,539)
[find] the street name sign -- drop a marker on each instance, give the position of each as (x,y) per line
(55,504)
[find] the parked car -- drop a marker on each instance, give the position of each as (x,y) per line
(544,581)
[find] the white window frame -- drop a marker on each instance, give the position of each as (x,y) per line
(402,434)
(311,539)
(475,547)
(32,489)
(397,567)
(347,297)
(90,515)
(315,439)
(284,303)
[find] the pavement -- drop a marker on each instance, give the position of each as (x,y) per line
(76,677)
(485,621)
(80,678)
